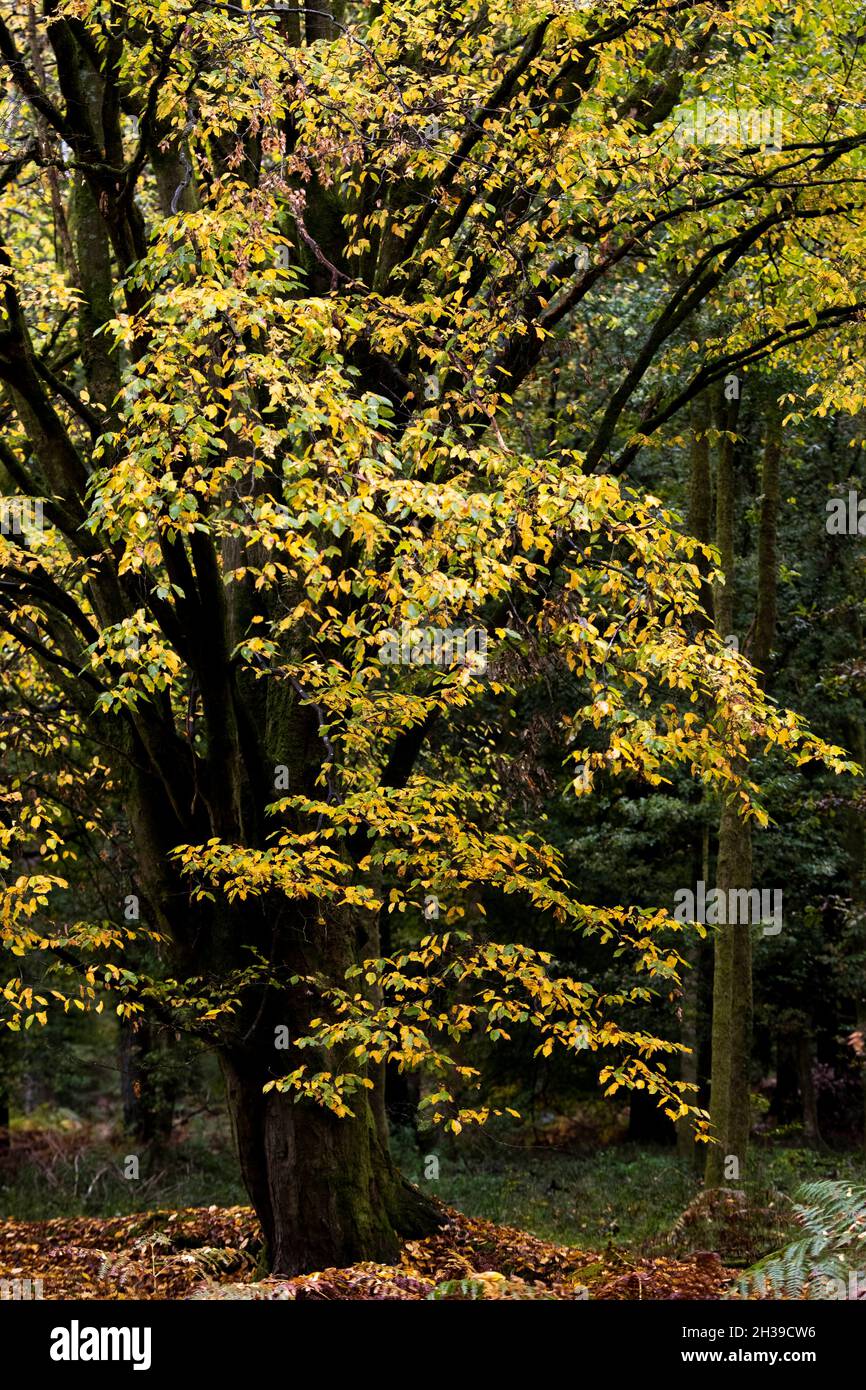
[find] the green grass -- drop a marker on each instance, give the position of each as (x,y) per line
(77,1172)
(624,1195)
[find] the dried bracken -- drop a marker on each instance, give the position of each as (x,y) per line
(211,1252)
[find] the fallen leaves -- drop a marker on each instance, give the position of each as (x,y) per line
(211,1253)
(160,1254)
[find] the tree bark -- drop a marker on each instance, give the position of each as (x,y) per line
(732,1012)
(689,1028)
(732,960)
(730,1107)
(148,1083)
(726,416)
(5,1136)
(783,1106)
(324,1189)
(857,853)
(699,523)
(808,1098)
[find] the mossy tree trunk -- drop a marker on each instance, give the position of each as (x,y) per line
(324,1188)
(5,1137)
(730,1108)
(699,526)
(856,839)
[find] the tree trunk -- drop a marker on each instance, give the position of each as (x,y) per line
(5,1137)
(732,1012)
(5,1098)
(148,1083)
(324,1189)
(857,852)
(730,1106)
(808,1098)
(766,609)
(783,1106)
(691,952)
(699,525)
(732,955)
(726,417)
(734,846)
(402,1097)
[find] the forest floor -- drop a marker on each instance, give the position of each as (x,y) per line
(211,1253)
(614,1221)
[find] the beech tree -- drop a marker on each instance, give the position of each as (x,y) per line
(277,285)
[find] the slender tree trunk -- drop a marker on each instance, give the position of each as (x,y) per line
(857,853)
(691,951)
(732,1012)
(5,1137)
(726,416)
(731,962)
(699,526)
(783,1107)
(730,1107)
(148,1083)
(808,1098)
(765,613)
(700,489)
(733,847)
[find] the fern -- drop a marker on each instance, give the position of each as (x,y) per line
(829,1259)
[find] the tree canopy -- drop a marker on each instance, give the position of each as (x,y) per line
(329,328)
